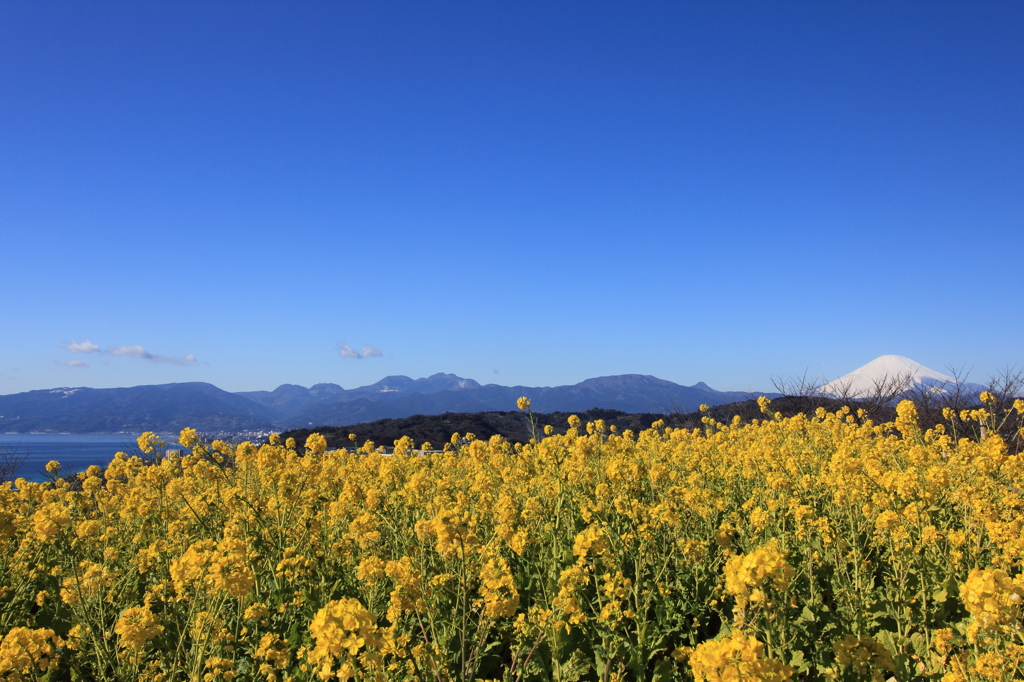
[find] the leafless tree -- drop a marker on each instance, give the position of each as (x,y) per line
(933,402)
(11,460)
(1007,386)
(798,387)
(952,405)
(677,417)
(875,402)
(800,394)
(880,396)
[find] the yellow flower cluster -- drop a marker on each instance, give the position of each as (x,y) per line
(316,444)
(820,546)
(747,575)
(341,629)
(498,589)
(222,566)
(28,654)
(865,656)
(994,600)
(136,626)
(272,652)
(736,658)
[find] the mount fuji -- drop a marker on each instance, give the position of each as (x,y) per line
(897,374)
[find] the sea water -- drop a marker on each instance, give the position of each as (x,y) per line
(75,452)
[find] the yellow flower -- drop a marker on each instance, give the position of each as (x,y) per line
(315,444)
(865,655)
(136,626)
(523,403)
(725,536)
(991,666)
(942,640)
(88,584)
(219,669)
(747,574)
(590,541)
(993,599)
(50,520)
(407,596)
(498,589)
(274,650)
(370,569)
(190,568)
(257,611)
(188,437)
(229,568)
(906,418)
(342,627)
(148,442)
(736,658)
(28,653)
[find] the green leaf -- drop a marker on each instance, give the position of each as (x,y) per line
(663,670)
(798,662)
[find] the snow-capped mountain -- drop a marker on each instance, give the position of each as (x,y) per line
(887,371)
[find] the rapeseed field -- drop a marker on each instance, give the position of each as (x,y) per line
(817,547)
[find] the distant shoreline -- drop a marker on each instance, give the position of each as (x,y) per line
(67,433)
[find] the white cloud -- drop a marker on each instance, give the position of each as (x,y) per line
(143,354)
(131,351)
(85,346)
(347,351)
(70,363)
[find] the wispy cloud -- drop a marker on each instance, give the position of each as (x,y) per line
(131,351)
(138,352)
(347,351)
(85,346)
(143,354)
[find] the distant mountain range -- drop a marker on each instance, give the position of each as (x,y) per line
(170,407)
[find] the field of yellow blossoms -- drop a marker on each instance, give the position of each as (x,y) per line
(818,547)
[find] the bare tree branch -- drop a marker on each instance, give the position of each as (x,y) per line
(11,460)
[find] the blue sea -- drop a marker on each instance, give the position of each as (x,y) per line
(75,452)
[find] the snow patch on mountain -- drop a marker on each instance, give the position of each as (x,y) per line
(883,371)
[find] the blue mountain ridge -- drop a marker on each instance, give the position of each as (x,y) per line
(170,407)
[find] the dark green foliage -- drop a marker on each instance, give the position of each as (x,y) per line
(438,429)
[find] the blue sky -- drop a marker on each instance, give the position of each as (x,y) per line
(521,193)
